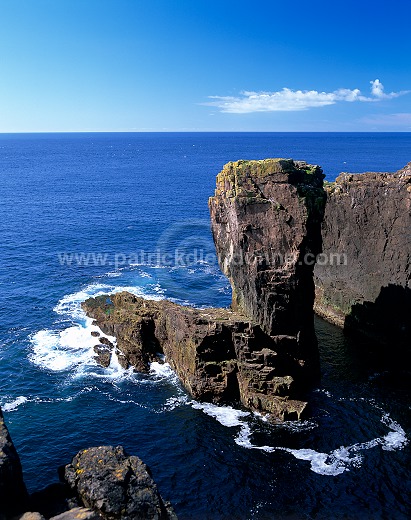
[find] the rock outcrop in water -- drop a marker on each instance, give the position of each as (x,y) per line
(364,281)
(266,218)
(219,355)
(266,222)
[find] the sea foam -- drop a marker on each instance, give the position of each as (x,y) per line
(73,347)
(334,463)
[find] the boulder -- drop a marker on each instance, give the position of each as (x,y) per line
(116,485)
(103,355)
(77,513)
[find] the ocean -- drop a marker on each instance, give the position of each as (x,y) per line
(87,214)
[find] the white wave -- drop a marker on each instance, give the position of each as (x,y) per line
(175,402)
(225,415)
(13,405)
(144,274)
(72,348)
(341,459)
(163,371)
(113,373)
(323,391)
(395,439)
(71,303)
(10,406)
(334,463)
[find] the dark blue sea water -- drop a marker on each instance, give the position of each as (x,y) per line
(84,214)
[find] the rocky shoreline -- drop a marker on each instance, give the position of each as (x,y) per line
(219,355)
(271,220)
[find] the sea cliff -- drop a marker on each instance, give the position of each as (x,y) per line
(262,353)
(271,221)
(364,283)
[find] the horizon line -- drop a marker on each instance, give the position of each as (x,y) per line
(206,132)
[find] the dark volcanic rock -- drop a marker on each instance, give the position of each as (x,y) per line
(13,493)
(266,222)
(103,356)
(116,485)
(219,355)
(364,283)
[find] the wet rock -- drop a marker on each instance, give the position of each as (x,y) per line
(116,485)
(103,356)
(107,342)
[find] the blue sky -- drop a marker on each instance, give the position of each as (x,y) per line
(203,65)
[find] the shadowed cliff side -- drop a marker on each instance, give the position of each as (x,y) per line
(367,227)
(13,493)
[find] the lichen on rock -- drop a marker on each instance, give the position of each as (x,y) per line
(116,485)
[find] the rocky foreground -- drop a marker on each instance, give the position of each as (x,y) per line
(100,483)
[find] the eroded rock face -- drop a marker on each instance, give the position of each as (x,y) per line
(116,485)
(266,222)
(366,284)
(219,355)
(13,493)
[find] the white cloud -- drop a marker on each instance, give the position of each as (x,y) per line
(377,90)
(287,100)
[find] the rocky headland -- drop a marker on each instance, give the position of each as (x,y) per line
(266,221)
(220,356)
(272,222)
